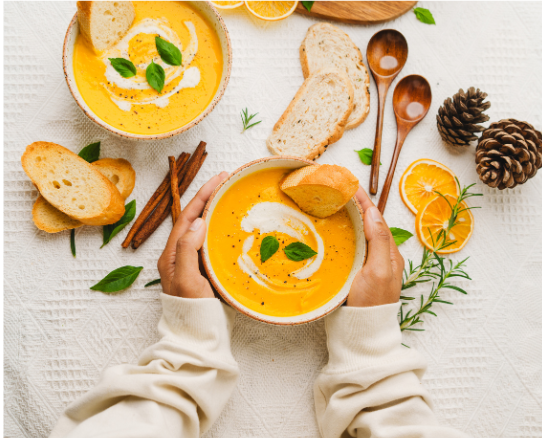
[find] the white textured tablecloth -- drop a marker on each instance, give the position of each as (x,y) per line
(485,352)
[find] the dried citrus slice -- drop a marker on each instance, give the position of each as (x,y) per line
(271,11)
(420,181)
(435,216)
(227,5)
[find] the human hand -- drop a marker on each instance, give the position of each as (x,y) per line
(379,281)
(179,264)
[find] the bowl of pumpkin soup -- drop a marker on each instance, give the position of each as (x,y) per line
(269,259)
(123,100)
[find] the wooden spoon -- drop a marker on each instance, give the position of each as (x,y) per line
(387,53)
(411,101)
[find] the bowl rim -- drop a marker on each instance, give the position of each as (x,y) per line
(207,262)
(96,119)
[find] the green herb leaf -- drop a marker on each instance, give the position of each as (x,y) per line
(246,120)
(72,242)
(298,251)
(156,76)
(424,15)
(168,52)
(308,5)
(366,156)
(124,67)
(400,235)
(118,280)
(153,282)
(269,246)
(112,230)
(91,153)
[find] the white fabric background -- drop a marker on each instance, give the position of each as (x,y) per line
(485,352)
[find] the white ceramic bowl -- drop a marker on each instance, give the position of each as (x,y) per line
(353,208)
(213,17)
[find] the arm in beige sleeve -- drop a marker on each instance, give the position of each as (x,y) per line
(178,388)
(371,386)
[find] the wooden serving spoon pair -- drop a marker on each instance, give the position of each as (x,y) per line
(387,53)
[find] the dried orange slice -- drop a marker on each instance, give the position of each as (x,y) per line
(435,216)
(271,11)
(420,181)
(227,5)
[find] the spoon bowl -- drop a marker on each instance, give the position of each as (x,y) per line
(387,53)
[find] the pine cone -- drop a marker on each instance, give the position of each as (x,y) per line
(508,153)
(457,120)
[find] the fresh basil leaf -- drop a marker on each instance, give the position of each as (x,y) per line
(269,246)
(72,242)
(298,251)
(153,282)
(156,76)
(124,67)
(168,51)
(308,5)
(118,280)
(112,230)
(400,235)
(366,156)
(91,153)
(424,15)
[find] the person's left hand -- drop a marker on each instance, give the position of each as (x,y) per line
(179,265)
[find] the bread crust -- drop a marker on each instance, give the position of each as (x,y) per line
(337,132)
(42,207)
(303,57)
(123,167)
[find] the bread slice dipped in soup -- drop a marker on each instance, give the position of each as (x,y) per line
(284,279)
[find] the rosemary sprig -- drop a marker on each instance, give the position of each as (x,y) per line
(246,120)
(433,268)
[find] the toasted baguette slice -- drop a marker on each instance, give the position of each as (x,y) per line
(326,46)
(120,172)
(72,185)
(315,118)
(50,219)
(320,190)
(104,23)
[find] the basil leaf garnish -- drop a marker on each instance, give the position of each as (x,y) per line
(400,235)
(308,5)
(366,156)
(424,15)
(156,76)
(124,67)
(72,242)
(269,246)
(118,279)
(91,153)
(298,251)
(153,282)
(168,52)
(112,230)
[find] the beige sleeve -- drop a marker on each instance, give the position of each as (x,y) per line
(178,388)
(371,386)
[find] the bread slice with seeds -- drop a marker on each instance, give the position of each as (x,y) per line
(316,117)
(327,46)
(72,185)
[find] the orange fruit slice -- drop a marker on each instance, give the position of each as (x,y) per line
(228,5)
(434,217)
(420,181)
(271,11)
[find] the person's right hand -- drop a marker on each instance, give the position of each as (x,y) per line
(379,281)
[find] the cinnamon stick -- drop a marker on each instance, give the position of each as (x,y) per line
(155,199)
(176,204)
(186,176)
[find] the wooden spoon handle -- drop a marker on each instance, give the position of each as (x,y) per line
(375,164)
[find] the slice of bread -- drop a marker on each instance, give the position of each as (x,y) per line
(327,46)
(320,190)
(72,185)
(104,23)
(120,172)
(50,219)
(315,118)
